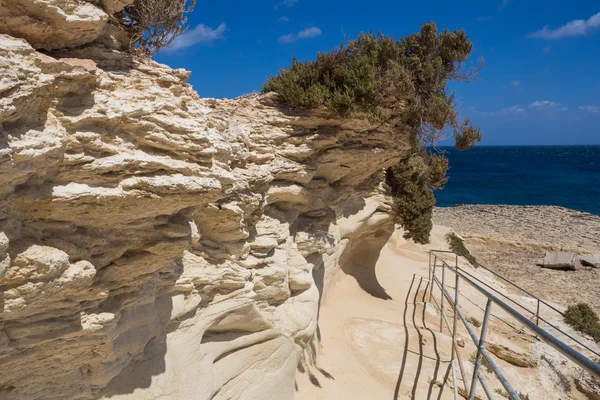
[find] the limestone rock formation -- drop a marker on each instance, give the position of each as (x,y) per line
(58,24)
(520,359)
(158,245)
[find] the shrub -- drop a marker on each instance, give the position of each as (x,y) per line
(504,393)
(582,318)
(474,321)
(154,24)
(411,182)
(403,82)
(457,245)
(387,78)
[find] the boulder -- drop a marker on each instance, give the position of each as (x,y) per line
(563,260)
(511,356)
(590,260)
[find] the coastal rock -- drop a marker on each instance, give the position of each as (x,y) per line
(588,385)
(511,356)
(158,245)
(590,260)
(52,24)
(563,260)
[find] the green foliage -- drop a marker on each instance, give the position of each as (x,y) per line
(403,82)
(387,78)
(154,24)
(582,318)
(457,245)
(412,182)
(474,321)
(504,393)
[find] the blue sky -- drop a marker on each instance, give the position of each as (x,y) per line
(540,83)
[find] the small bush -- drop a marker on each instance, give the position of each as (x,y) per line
(474,321)
(457,245)
(154,24)
(582,318)
(504,393)
(387,79)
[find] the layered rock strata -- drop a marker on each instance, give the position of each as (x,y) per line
(158,245)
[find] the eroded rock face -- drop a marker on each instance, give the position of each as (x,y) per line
(158,245)
(57,24)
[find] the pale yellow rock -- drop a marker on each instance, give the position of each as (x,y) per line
(52,24)
(162,245)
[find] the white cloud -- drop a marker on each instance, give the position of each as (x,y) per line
(307,33)
(516,83)
(590,109)
(577,27)
(200,34)
(283,19)
(311,32)
(286,39)
(286,3)
(547,49)
(514,110)
(546,105)
(504,4)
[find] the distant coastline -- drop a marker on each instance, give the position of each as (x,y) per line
(566,176)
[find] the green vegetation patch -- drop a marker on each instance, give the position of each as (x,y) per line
(387,78)
(153,24)
(474,321)
(457,245)
(412,181)
(400,82)
(582,318)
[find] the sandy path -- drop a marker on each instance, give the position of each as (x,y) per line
(363,338)
(380,340)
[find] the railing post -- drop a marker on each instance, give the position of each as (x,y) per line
(454,324)
(429,269)
(442,300)
(537,313)
(486,319)
(432,276)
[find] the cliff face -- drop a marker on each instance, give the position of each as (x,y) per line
(158,245)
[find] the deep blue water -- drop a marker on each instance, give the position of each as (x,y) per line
(567,176)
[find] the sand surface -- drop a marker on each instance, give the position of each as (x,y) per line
(379,336)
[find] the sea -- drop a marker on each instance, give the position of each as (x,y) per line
(567,176)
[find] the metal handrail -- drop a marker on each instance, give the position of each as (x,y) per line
(539,301)
(518,287)
(482,353)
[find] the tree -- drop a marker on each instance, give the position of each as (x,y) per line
(404,81)
(154,24)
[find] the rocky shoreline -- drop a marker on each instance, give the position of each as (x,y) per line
(511,240)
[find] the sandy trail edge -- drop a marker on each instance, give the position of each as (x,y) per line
(364,349)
